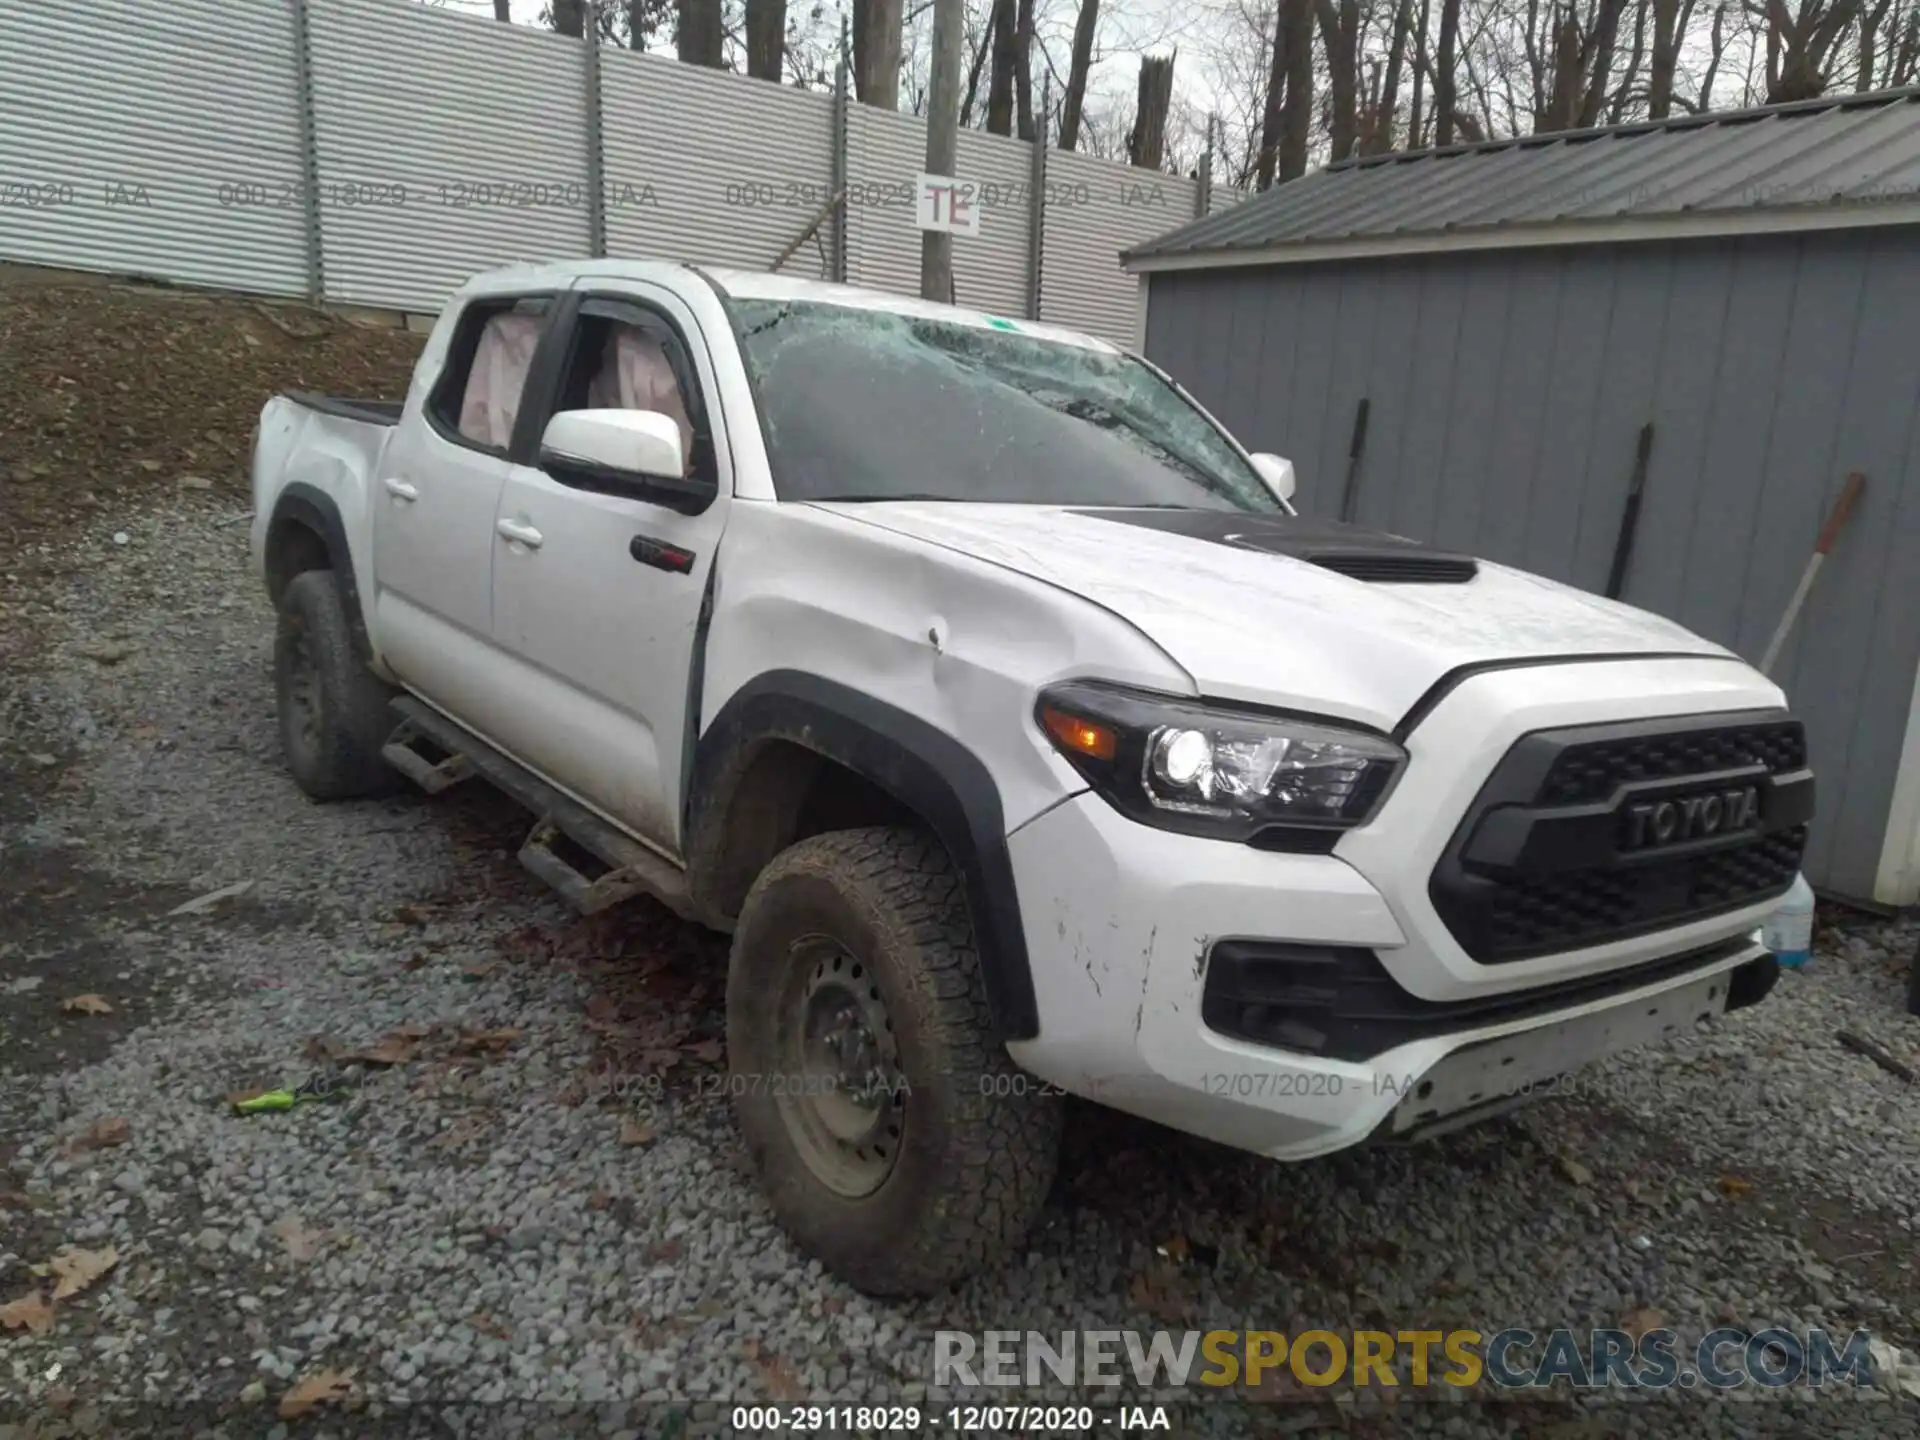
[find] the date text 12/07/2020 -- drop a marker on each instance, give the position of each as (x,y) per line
(960,1419)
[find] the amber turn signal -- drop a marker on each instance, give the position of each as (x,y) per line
(1088,737)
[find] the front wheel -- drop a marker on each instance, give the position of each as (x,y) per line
(872,1096)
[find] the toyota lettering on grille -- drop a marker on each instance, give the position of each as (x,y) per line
(1656,823)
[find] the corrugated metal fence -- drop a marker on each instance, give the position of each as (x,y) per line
(377,152)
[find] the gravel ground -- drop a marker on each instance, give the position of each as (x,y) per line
(535,1214)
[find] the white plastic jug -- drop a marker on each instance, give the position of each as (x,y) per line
(1789,930)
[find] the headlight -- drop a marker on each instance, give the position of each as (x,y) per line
(1207,770)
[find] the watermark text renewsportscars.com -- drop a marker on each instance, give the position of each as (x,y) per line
(1509,1359)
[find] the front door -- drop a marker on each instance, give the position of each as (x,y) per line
(598,597)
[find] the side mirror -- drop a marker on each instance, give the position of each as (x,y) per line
(1276,472)
(636,442)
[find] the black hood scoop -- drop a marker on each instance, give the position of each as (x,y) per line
(1370,555)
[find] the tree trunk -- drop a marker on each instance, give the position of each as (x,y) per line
(1077,73)
(697,33)
(1443,116)
(1340,37)
(1000,74)
(503,11)
(1870,23)
(876,52)
(1416,115)
(1023,69)
(1380,128)
(766,38)
(1666,58)
(1296,115)
(1270,115)
(974,67)
(1147,145)
(1596,56)
(570,17)
(1617,112)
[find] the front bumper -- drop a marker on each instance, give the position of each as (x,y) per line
(1121,923)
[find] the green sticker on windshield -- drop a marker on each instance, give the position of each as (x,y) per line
(997,323)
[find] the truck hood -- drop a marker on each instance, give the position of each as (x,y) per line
(1236,601)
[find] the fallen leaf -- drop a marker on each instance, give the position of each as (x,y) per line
(479,972)
(707,1051)
(634,1133)
(394,1049)
(301,1242)
(665,1250)
(462,1132)
(1175,1249)
(32,1312)
(1575,1171)
(86,1005)
(323,1387)
(782,1383)
(485,1042)
(1162,1294)
(237,1097)
(416,961)
(200,904)
(413,1030)
(1733,1186)
(487,1325)
(101,1135)
(1638,1322)
(599,1200)
(75,1270)
(320,1050)
(408,915)
(602,1007)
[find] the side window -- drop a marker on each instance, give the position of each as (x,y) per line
(477,397)
(624,356)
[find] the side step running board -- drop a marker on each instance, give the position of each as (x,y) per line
(632,869)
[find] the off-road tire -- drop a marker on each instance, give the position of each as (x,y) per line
(981,1140)
(337,755)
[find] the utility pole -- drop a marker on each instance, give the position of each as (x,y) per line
(943,139)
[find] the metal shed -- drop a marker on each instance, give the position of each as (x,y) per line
(1508,317)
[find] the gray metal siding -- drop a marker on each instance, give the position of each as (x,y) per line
(115,160)
(1507,392)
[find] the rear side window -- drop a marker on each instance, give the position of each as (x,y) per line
(476,400)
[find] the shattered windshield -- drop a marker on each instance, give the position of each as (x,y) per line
(869,405)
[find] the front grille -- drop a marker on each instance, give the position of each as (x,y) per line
(1538,915)
(1585,774)
(1546,860)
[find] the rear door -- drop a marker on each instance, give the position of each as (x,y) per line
(598,597)
(434,501)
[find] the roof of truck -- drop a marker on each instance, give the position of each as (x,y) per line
(759,285)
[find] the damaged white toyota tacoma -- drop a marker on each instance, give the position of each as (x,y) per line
(1023,737)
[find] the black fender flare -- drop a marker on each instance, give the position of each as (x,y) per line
(921,766)
(300,504)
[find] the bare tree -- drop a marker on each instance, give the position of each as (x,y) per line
(1074,102)
(1003,43)
(1023,68)
(876,52)
(766,27)
(1383,101)
(1800,44)
(1272,114)
(1296,110)
(1444,118)
(570,17)
(503,11)
(1340,39)
(1147,143)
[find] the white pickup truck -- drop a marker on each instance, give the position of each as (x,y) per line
(1024,738)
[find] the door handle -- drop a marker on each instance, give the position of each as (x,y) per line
(660,555)
(401,490)
(519,531)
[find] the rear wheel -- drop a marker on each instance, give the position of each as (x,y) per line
(333,710)
(870,1091)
